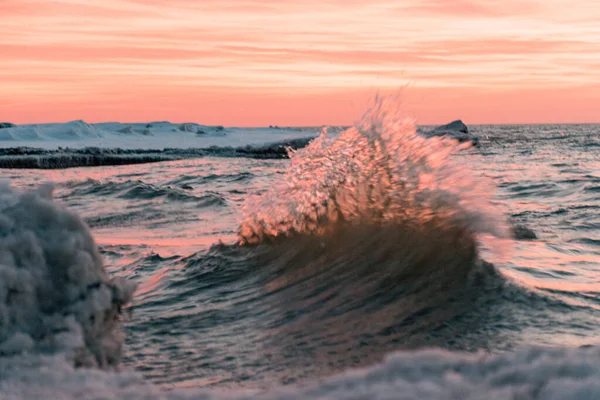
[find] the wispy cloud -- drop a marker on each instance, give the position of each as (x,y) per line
(87,52)
(471,8)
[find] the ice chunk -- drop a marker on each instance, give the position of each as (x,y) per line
(55,295)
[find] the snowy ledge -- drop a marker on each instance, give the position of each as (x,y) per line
(29,157)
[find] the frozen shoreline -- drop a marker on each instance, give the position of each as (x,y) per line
(36,158)
(79,144)
(144,136)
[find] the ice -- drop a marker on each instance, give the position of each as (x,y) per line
(29,157)
(526,374)
(55,295)
(153,135)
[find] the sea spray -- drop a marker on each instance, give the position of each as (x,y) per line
(369,243)
(379,171)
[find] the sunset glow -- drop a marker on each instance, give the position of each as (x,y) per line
(306,62)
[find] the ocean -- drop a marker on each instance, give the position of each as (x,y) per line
(375,263)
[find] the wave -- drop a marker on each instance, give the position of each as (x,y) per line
(50,159)
(373,288)
(125,218)
(185,181)
(319,304)
(369,242)
(139,190)
(380,171)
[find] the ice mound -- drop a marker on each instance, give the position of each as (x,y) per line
(55,295)
(529,374)
(74,130)
(141,136)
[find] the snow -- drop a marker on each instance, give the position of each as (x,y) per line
(550,374)
(55,295)
(153,135)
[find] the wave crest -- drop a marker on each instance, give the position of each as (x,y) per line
(378,171)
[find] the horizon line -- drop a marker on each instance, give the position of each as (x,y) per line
(276,126)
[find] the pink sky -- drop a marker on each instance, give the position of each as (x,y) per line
(301,62)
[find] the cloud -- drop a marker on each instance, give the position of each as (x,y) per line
(470,8)
(83,49)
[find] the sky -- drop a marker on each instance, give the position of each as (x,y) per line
(298,62)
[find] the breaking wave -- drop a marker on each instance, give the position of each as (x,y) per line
(369,244)
(377,172)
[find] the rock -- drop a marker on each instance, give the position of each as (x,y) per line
(454,126)
(187,187)
(522,232)
(6,125)
(456,130)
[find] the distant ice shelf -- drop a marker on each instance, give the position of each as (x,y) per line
(80,144)
(142,136)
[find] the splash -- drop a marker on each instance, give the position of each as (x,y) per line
(378,172)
